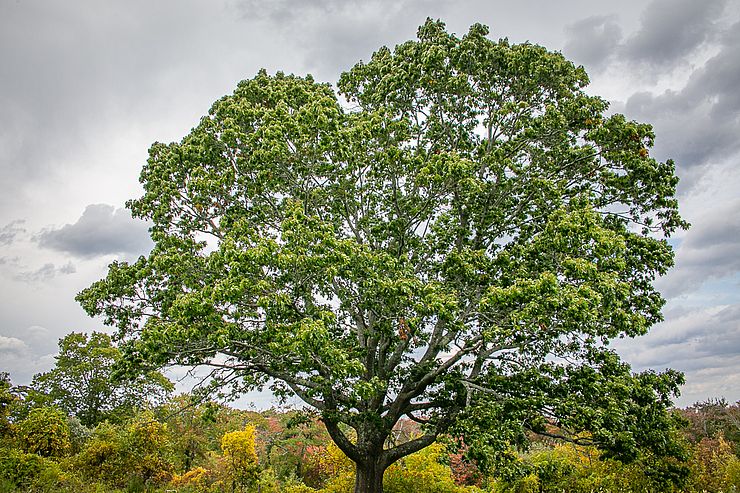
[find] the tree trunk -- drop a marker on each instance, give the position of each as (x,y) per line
(369,475)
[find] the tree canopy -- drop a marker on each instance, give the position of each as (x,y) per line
(83,385)
(455,240)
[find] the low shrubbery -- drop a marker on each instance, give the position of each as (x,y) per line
(191,447)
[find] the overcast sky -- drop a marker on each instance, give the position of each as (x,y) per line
(87,86)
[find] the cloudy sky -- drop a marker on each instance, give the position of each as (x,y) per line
(87,86)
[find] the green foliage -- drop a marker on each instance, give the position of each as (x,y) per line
(7,400)
(461,242)
(422,472)
(573,469)
(131,453)
(194,429)
(287,441)
(45,432)
(298,488)
(78,434)
(27,471)
(82,384)
(140,455)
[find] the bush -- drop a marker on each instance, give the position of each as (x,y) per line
(421,472)
(126,456)
(714,467)
(195,479)
(241,457)
(29,471)
(299,488)
(573,469)
(45,432)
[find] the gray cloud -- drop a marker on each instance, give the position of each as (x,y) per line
(46,272)
(697,124)
(704,343)
(76,75)
(700,123)
(10,231)
(672,29)
(282,11)
(336,34)
(593,41)
(101,230)
(669,31)
(709,252)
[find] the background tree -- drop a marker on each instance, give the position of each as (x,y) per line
(241,456)
(713,418)
(287,440)
(7,399)
(195,428)
(457,246)
(191,426)
(133,454)
(82,384)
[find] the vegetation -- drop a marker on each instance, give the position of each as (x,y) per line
(456,246)
(188,446)
(81,382)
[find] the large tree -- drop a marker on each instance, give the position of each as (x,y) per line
(456,241)
(82,382)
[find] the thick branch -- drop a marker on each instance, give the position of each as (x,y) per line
(392,455)
(349,449)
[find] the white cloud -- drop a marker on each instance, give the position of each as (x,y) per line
(12,345)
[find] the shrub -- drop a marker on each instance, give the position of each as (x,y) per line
(27,471)
(45,432)
(137,453)
(421,472)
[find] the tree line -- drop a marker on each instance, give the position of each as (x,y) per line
(80,428)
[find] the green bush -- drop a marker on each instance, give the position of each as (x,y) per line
(45,432)
(572,469)
(27,472)
(128,455)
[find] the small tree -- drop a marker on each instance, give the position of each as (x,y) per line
(239,451)
(7,400)
(82,384)
(457,246)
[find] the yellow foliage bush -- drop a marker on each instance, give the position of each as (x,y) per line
(714,467)
(240,454)
(299,488)
(45,432)
(194,478)
(421,472)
